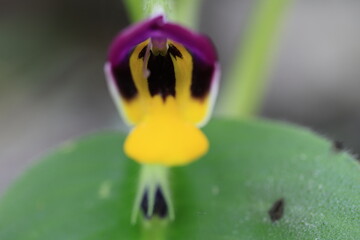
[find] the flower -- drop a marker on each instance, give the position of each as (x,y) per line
(163,78)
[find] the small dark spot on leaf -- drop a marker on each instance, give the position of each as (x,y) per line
(277,210)
(338,146)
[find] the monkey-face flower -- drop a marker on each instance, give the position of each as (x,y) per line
(163,79)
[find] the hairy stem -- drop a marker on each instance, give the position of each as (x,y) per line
(185,12)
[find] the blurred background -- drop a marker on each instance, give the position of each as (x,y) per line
(52,86)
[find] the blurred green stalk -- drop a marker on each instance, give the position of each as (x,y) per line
(246,81)
(185,12)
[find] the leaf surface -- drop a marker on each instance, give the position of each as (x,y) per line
(85,190)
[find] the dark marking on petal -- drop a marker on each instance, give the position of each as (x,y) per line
(124,80)
(276,212)
(201,78)
(161,207)
(337,146)
(142,52)
(162,75)
(174,51)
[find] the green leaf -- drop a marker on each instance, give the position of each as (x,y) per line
(85,190)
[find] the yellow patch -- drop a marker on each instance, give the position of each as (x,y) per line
(163,137)
(193,109)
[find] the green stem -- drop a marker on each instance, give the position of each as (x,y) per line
(152,177)
(185,12)
(154,230)
(245,83)
(141,9)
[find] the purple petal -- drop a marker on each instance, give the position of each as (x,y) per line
(156,27)
(205,70)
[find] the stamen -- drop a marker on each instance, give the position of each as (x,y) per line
(156,46)
(159,46)
(146,72)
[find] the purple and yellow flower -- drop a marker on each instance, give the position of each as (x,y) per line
(163,78)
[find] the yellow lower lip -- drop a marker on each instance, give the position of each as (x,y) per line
(164,137)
